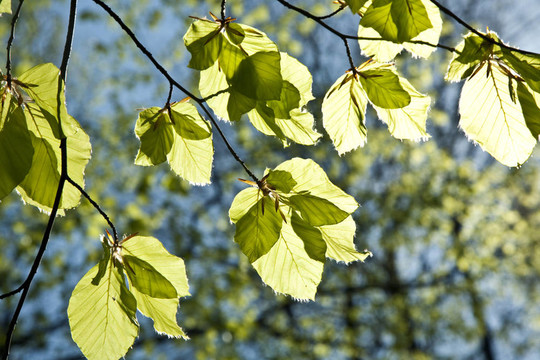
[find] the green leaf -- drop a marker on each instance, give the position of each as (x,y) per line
(203,40)
(258,230)
(147,280)
(385,51)
(235,33)
(281,180)
(40,184)
(311,236)
(154,130)
(356,5)
(528,66)
(170,267)
(185,141)
(41,83)
(317,211)
(259,77)
(492,117)
(382,86)
(344,108)
(286,118)
(5,6)
(408,122)
(287,267)
(16,150)
(230,58)
(311,179)
(397,20)
(530,105)
(256,41)
(339,239)
(102,317)
(243,202)
(469,53)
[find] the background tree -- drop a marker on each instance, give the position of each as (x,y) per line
(452,233)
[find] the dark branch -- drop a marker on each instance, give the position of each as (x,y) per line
(10,42)
(333,13)
(473,30)
(58,196)
(161,69)
(223,2)
(343,36)
(95,205)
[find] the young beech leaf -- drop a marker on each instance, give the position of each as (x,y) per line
(317,211)
(203,40)
(293,262)
(168,270)
(339,239)
(102,315)
(41,84)
(492,117)
(288,268)
(385,51)
(344,108)
(258,230)
(259,77)
(147,280)
(528,66)
(382,86)
(5,6)
(397,20)
(530,105)
(16,150)
(40,184)
(311,236)
(185,141)
(470,52)
(286,118)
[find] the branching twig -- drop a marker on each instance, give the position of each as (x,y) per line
(56,205)
(333,13)
(95,205)
(171,80)
(473,30)
(10,42)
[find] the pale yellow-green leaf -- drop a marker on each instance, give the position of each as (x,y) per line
(344,108)
(242,202)
(339,240)
(102,316)
(312,179)
(490,117)
(408,122)
(288,269)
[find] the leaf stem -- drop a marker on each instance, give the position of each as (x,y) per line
(10,42)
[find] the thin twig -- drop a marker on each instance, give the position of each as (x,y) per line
(161,69)
(473,30)
(57,199)
(223,2)
(10,42)
(352,37)
(349,56)
(95,205)
(333,13)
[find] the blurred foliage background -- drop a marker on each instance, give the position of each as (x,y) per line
(455,236)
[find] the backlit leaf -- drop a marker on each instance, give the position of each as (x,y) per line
(16,150)
(344,108)
(339,239)
(492,118)
(471,52)
(385,51)
(317,211)
(397,20)
(40,184)
(203,40)
(355,5)
(530,105)
(102,316)
(5,6)
(311,236)
(382,86)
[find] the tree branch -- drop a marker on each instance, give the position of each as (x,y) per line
(223,2)
(56,205)
(10,42)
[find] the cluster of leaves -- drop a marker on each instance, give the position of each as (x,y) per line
(102,309)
